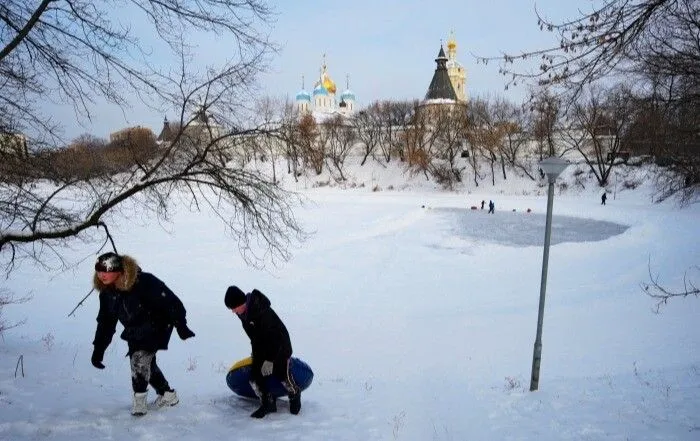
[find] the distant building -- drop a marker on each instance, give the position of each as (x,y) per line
(321,102)
(13,144)
(123,134)
(167,133)
(440,88)
(201,126)
(448,85)
(456,72)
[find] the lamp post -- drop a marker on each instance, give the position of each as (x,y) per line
(552,168)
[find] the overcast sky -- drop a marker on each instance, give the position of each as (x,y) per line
(387,48)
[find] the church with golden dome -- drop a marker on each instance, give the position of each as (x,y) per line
(456,72)
(322,99)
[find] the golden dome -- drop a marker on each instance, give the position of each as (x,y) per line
(452,43)
(328,84)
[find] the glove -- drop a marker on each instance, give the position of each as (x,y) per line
(184,332)
(96,359)
(266,368)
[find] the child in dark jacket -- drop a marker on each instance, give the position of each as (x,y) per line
(149,311)
(271,348)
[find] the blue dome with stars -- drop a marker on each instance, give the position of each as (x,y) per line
(303,96)
(347,95)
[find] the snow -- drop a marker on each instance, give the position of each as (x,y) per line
(416,313)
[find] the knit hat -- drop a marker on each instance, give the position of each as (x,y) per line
(234,297)
(109,262)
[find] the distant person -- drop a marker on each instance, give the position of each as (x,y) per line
(271,348)
(492,207)
(603,198)
(482,204)
(148,310)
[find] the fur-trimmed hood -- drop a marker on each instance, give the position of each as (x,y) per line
(127,279)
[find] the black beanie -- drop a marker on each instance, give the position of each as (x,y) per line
(109,262)
(234,297)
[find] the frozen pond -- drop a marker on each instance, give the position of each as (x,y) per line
(525,229)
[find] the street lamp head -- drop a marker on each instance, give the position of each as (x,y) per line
(553,166)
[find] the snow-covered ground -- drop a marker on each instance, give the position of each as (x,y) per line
(416,313)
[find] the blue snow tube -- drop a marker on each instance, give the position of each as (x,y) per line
(238,378)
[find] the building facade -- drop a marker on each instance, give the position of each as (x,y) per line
(455,70)
(322,100)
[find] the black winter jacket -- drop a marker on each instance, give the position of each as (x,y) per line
(143,304)
(269,338)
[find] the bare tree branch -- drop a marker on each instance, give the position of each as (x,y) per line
(77,51)
(662,294)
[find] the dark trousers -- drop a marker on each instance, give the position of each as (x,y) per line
(145,371)
(280,369)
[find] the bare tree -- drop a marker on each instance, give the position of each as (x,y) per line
(368,126)
(271,114)
(312,140)
(516,137)
(421,138)
(289,135)
(667,126)
(6,298)
(486,133)
(396,117)
(342,137)
(451,133)
(612,38)
(546,115)
(73,47)
(600,122)
(652,43)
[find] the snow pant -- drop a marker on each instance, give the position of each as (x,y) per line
(280,369)
(145,371)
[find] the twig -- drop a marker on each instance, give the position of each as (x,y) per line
(81,302)
(20,362)
(108,234)
(662,294)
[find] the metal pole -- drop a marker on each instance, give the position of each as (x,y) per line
(537,353)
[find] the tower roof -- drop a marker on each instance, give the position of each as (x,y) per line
(303,95)
(166,133)
(441,86)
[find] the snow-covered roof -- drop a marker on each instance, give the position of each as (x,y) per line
(439,101)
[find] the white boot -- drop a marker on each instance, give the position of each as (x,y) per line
(167,399)
(140,408)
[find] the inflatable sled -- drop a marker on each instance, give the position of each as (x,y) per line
(238,378)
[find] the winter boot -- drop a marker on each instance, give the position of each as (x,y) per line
(268,404)
(139,407)
(169,398)
(295,403)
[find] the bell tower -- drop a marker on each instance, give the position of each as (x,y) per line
(456,72)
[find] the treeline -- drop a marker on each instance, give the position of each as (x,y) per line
(485,139)
(492,136)
(85,157)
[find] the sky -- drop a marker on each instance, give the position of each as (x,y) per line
(416,313)
(387,49)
